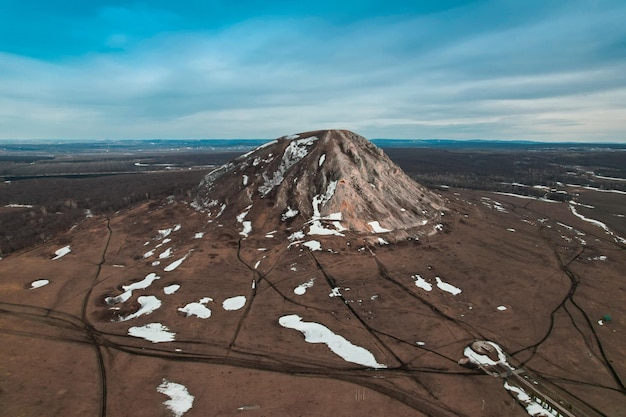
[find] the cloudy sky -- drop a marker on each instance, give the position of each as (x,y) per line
(535,69)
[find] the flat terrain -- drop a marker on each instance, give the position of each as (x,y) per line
(540,277)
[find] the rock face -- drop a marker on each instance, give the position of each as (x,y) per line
(327,182)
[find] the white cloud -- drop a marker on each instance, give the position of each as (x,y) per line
(555,76)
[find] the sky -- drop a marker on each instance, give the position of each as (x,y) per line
(446,69)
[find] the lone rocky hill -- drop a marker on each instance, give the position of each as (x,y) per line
(326,182)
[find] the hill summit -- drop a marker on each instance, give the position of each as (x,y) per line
(328,182)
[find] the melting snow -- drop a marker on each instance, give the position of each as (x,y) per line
(596,223)
(148,254)
(545,200)
(447,287)
(154,332)
(377,228)
(486,360)
(198,235)
(247,228)
(171,289)
(294,152)
(532,407)
(247,225)
(128,289)
(148,305)
(301,289)
(317,333)
(180,400)
(61,252)
(234,303)
(299,235)
(422,283)
(198,309)
(175,264)
(335,292)
(313,245)
(289,214)
(39,283)
(164,233)
(382,241)
(166,253)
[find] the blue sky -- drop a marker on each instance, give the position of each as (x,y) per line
(535,70)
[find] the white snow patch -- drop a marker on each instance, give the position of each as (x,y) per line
(335,292)
(148,254)
(148,305)
(377,228)
(198,235)
(244,180)
(234,303)
(447,287)
(247,225)
(18,205)
(501,308)
(154,332)
(510,229)
(322,159)
(62,252)
(265,145)
(382,241)
(198,309)
(420,343)
(533,408)
(294,152)
(313,245)
(289,214)
(316,227)
(301,289)
(128,289)
(175,264)
(163,233)
(247,228)
(171,289)
(527,197)
(299,235)
(318,333)
(180,400)
(156,263)
(596,223)
(422,283)
(39,283)
(166,254)
(256,265)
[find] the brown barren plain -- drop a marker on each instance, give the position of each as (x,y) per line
(65,351)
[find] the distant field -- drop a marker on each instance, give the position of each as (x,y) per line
(64,182)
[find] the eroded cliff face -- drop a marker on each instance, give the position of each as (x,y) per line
(327,182)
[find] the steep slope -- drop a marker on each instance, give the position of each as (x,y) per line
(327,182)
